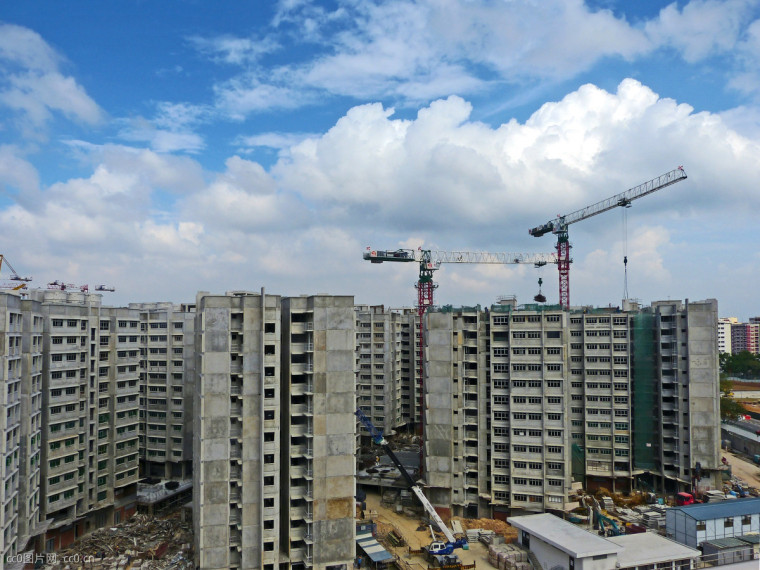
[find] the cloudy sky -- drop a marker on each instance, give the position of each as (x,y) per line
(166,148)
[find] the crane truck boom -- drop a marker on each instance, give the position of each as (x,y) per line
(436,547)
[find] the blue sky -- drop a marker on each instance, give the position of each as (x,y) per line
(167,148)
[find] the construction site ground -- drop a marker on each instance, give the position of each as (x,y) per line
(743,468)
(406,526)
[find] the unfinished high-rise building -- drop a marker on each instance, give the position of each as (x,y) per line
(167,380)
(523,401)
(273,455)
(85,475)
(385,366)
(21,385)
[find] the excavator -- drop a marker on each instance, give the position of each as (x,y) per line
(607,526)
(441,551)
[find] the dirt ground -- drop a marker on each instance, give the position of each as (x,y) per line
(742,468)
(407,528)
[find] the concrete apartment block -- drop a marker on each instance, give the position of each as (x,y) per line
(564,397)
(20,384)
(385,373)
(237,431)
(318,444)
(31,424)
(274,432)
(167,370)
(89,465)
(689,404)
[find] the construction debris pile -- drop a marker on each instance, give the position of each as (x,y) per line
(497,526)
(141,543)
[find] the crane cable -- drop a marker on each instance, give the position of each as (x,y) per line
(625,252)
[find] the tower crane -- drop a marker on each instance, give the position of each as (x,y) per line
(61,286)
(429,261)
(13,277)
(560,224)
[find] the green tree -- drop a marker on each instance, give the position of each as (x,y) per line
(743,364)
(726,385)
(730,409)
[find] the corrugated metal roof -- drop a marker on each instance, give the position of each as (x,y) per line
(725,543)
(372,547)
(751,538)
(721,509)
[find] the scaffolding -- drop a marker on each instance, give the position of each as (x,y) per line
(643,392)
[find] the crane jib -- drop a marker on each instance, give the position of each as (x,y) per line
(623,199)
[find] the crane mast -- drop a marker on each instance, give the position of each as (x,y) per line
(560,224)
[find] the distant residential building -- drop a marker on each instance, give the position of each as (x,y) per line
(724,333)
(745,337)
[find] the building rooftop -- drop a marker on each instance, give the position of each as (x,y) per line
(724,543)
(721,509)
(565,536)
(649,548)
(372,547)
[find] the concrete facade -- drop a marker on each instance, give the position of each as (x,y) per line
(167,381)
(89,466)
(385,358)
(20,424)
(556,395)
(273,455)
(323,536)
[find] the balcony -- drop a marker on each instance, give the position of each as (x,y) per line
(127,434)
(301,367)
(301,409)
(125,466)
(301,389)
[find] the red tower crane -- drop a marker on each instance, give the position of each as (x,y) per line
(559,224)
(429,261)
